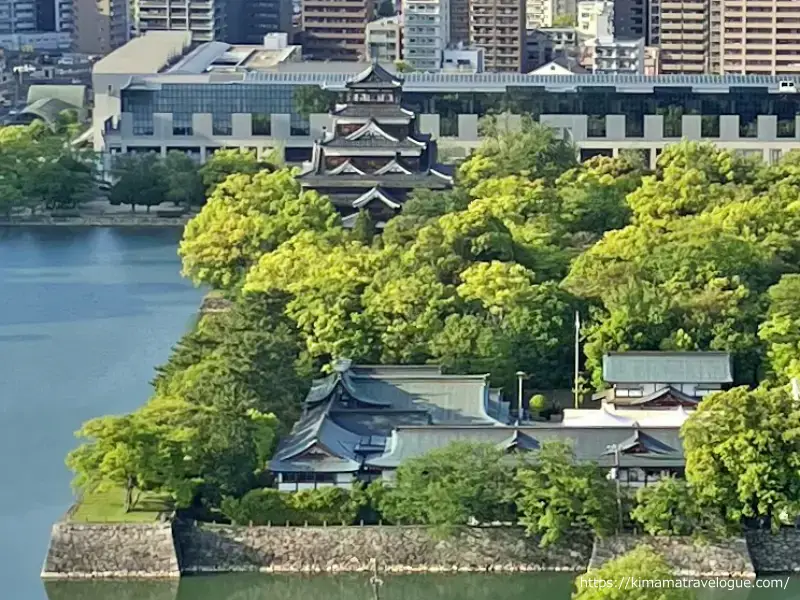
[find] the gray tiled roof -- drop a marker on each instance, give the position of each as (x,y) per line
(657,395)
(372,142)
(388,181)
(376,111)
(589,444)
(667,367)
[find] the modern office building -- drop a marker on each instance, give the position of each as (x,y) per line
(336,29)
(248,21)
(426,33)
(759,37)
(498,26)
(155,93)
(205,19)
(384,38)
(101,26)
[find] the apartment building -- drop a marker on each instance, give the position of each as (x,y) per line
(615,56)
(498,26)
(596,18)
(205,19)
(40,24)
(631,19)
(538,13)
(426,33)
(459,21)
(759,37)
(682,29)
(101,26)
(384,37)
(335,29)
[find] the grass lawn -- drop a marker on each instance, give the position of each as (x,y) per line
(107,507)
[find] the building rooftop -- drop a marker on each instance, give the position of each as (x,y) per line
(667,367)
(149,53)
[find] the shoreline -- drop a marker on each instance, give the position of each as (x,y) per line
(99,221)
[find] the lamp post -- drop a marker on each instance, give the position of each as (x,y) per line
(520,377)
(615,449)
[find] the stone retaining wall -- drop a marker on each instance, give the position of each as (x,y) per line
(210,548)
(688,558)
(106,551)
(131,220)
(775,553)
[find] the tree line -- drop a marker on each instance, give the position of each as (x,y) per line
(699,253)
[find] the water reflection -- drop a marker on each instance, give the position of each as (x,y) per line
(357,587)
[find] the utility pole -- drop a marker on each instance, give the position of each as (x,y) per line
(615,448)
(577,357)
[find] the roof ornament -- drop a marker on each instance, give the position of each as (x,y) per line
(341,365)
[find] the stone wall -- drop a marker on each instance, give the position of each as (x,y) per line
(214,548)
(688,557)
(775,553)
(107,551)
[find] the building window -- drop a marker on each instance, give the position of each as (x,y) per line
(262,124)
(308,477)
(628,391)
(221,125)
(182,124)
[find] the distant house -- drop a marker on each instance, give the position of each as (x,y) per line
(46,102)
(361,422)
(664,379)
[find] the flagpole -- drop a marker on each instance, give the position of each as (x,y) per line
(577,353)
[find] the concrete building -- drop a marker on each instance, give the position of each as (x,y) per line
(596,18)
(459,21)
(101,26)
(384,38)
(498,26)
(538,13)
(615,56)
(35,24)
(631,19)
(461,59)
(336,30)
(205,19)
(682,29)
(547,44)
(760,37)
(248,21)
(562,8)
(426,33)
(155,93)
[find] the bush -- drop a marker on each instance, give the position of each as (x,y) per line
(538,403)
(315,507)
(258,507)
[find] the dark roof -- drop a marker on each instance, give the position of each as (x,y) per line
(668,396)
(388,181)
(323,389)
(47,109)
(374,76)
(663,447)
(568,63)
(667,367)
(374,110)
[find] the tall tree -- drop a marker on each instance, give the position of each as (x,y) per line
(781,329)
(139,179)
(246,217)
(559,497)
(312,99)
(184,183)
(742,451)
(229,161)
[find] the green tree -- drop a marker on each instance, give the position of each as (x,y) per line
(565,20)
(450,486)
(742,451)
(184,184)
(312,99)
(641,563)
(534,151)
(364,229)
(229,161)
(246,217)
(669,507)
(781,329)
(139,179)
(560,498)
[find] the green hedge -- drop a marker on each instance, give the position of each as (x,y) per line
(315,507)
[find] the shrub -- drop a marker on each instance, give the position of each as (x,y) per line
(258,507)
(315,507)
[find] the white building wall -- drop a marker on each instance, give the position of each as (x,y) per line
(596,18)
(426,33)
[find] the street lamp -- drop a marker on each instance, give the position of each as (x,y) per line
(520,376)
(615,448)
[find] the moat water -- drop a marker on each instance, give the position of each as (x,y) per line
(85,315)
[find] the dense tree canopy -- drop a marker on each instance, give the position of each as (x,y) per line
(742,451)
